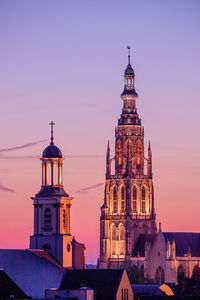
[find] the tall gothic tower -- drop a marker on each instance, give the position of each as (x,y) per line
(128,208)
(52,213)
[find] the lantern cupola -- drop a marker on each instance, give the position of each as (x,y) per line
(129,78)
(52,162)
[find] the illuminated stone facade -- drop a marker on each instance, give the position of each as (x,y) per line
(128,208)
(52,213)
(128,232)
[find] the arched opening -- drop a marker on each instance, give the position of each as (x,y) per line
(180,275)
(122,199)
(196,274)
(138,154)
(46,247)
(119,153)
(64,219)
(113,239)
(122,232)
(121,239)
(115,208)
(159,276)
(134,200)
(47,218)
(128,143)
(143,200)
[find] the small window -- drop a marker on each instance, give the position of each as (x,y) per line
(124,294)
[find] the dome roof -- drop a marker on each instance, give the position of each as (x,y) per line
(52,151)
(129,71)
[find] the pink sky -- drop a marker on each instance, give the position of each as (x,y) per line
(64,61)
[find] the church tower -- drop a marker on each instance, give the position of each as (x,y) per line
(128,208)
(52,213)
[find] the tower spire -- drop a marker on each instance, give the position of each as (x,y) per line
(108,166)
(52,124)
(149,163)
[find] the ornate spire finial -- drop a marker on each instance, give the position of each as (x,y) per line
(129,54)
(108,146)
(52,124)
(149,147)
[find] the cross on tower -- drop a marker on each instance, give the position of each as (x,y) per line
(52,124)
(129,51)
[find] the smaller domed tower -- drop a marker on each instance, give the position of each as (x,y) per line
(52,213)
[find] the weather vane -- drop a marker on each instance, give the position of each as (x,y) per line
(52,124)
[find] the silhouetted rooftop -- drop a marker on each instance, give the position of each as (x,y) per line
(185,241)
(104,282)
(9,288)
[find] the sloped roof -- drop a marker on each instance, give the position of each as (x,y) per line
(104,282)
(8,287)
(152,289)
(184,241)
(139,249)
(42,253)
(32,272)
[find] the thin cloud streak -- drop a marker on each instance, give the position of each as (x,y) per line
(6,189)
(92,187)
(22,146)
(21,157)
(84,156)
(38,156)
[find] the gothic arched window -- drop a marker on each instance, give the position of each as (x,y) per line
(138,153)
(160,276)
(119,153)
(180,275)
(115,199)
(114,233)
(122,199)
(47,218)
(122,233)
(134,200)
(113,239)
(143,200)
(121,239)
(128,144)
(196,274)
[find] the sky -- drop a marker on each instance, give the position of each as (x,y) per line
(64,61)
